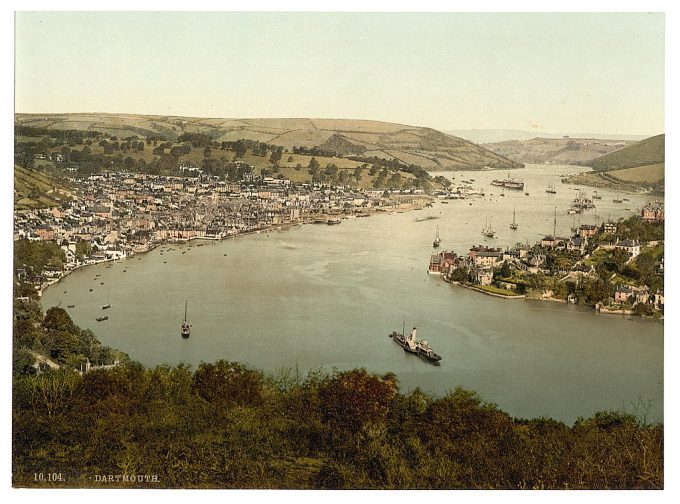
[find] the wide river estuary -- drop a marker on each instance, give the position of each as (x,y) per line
(319,296)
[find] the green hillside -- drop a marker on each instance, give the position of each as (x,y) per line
(33,189)
(424,147)
(646,152)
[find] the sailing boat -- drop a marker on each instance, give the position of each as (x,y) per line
(92,286)
(186,326)
(108,302)
(487,231)
(437,241)
(596,196)
(514,224)
(551,189)
(574,229)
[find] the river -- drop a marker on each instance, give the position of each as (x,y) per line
(327,296)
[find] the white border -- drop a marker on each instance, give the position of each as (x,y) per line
(671,346)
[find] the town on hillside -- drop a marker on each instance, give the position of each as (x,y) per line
(118,214)
(616,267)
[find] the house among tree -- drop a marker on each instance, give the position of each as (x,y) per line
(482,276)
(652,213)
(609,227)
(587,230)
(630,246)
(577,243)
(623,293)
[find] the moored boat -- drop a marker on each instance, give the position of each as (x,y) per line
(185,328)
(437,241)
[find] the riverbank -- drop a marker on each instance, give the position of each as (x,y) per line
(487,292)
(603,180)
(411,204)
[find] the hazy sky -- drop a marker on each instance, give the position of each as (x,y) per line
(596,73)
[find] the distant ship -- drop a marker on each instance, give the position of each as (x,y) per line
(186,326)
(332,222)
(411,345)
(551,189)
(105,317)
(437,241)
(509,183)
(616,200)
(596,196)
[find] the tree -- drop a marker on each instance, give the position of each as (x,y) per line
(313,166)
(228,383)
(356,398)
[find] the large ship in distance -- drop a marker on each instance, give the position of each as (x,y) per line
(437,241)
(509,183)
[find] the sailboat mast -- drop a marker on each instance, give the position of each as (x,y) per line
(185,311)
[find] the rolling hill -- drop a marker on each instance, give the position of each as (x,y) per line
(649,151)
(556,150)
(425,147)
(640,165)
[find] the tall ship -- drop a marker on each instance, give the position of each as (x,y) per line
(581,202)
(487,231)
(551,189)
(509,183)
(513,225)
(418,347)
(185,329)
(437,241)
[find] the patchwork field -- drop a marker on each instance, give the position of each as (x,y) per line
(426,147)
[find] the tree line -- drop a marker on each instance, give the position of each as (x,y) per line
(226,425)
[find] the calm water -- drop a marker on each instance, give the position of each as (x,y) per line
(327,296)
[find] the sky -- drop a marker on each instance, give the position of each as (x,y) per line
(555,72)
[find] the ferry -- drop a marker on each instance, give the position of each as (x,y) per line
(100,319)
(411,345)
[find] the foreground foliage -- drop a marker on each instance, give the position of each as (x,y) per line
(225,426)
